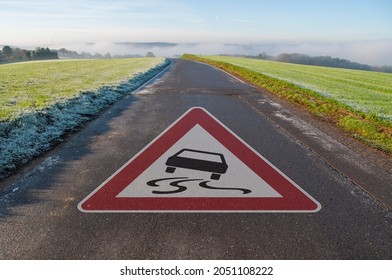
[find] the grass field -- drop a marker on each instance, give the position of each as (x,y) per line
(357,102)
(40,102)
(368,92)
(30,86)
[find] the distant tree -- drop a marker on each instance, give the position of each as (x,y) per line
(19,54)
(86,55)
(283,57)
(97,55)
(64,53)
(262,56)
(45,53)
(107,56)
(28,55)
(150,54)
(7,51)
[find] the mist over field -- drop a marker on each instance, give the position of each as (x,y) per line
(355,30)
(378,52)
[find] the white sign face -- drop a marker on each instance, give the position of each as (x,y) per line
(198,146)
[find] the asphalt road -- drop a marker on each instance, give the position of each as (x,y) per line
(39,218)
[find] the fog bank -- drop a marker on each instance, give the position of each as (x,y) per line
(377,52)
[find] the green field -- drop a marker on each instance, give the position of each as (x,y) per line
(31,86)
(368,92)
(358,102)
(40,102)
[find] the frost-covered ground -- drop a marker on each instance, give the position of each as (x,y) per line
(32,133)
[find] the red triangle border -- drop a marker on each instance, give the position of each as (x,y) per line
(103,198)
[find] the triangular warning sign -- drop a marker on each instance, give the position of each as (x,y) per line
(199,165)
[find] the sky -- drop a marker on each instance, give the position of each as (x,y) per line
(354,29)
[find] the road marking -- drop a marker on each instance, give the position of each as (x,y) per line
(198,165)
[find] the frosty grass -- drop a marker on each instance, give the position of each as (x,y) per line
(34,132)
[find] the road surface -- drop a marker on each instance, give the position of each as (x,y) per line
(39,218)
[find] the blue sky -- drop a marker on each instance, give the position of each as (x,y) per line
(298,22)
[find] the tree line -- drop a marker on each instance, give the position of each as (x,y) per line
(9,54)
(64,53)
(325,61)
(12,54)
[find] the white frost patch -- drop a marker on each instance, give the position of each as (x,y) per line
(309,130)
(275,105)
(35,132)
(146,90)
(50,161)
(270,102)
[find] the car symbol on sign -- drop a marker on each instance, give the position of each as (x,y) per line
(198,160)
